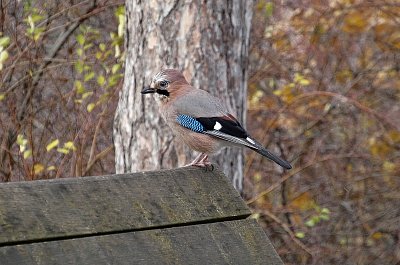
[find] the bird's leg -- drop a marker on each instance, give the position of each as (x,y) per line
(205,163)
(200,161)
(196,160)
(204,160)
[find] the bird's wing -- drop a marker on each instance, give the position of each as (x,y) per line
(227,128)
(199,103)
(201,112)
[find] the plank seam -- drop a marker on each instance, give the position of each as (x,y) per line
(60,238)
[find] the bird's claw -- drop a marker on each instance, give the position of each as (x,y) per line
(202,161)
(208,166)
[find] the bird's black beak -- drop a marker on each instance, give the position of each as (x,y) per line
(148,90)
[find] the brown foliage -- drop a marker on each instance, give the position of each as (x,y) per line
(324,91)
(40,103)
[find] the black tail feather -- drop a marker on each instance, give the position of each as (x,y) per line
(252,144)
(262,151)
(270,156)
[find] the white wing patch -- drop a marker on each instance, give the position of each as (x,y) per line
(250,140)
(217,126)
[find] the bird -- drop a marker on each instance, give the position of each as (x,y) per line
(200,119)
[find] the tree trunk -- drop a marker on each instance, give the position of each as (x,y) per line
(208,41)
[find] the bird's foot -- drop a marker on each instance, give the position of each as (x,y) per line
(207,165)
(201,161)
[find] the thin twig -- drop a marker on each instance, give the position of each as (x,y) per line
(98,157)
(56,47)
(294,171)
(94,140)
(287,230)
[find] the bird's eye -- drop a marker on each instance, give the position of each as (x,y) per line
(163,84)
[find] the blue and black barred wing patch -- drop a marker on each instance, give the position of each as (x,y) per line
(226,125)
(190,123)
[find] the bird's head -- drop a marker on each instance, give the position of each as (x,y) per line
(166,83)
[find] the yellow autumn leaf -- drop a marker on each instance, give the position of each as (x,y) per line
(63,150)
(22,148)
(90,107)
(297,77)
(21,140)
(286,93)
(387,33)
(257,177)
(37,168)
(343,241)
(115,68)
(117,51)
(27,154)
(355,22)
(102,47)
(88,76)
(255,216)
(377,235)
(308,133)
(378,147)
(278,92)
(304,82)
(101,80)
(87,94)
(3,56)
(394,136)
(80,39)
(50,168)
(4,41)
(300,79)
(2,96)
(303,202)
(70,146)
(52,144)
(255,98)
(343,76)
(395,40)
(98,55)
(381,30)
(389,167)
(80,89)
(121,21)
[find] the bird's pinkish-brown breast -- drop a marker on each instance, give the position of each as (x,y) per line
(197,141)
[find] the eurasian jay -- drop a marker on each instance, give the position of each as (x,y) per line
(199,119)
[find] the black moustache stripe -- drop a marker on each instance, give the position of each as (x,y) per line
(162,92)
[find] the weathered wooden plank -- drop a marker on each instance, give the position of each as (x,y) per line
(73,207)
(230,242)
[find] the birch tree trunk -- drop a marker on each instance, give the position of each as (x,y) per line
(208,41)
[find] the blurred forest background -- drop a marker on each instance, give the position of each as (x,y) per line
(324,88)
